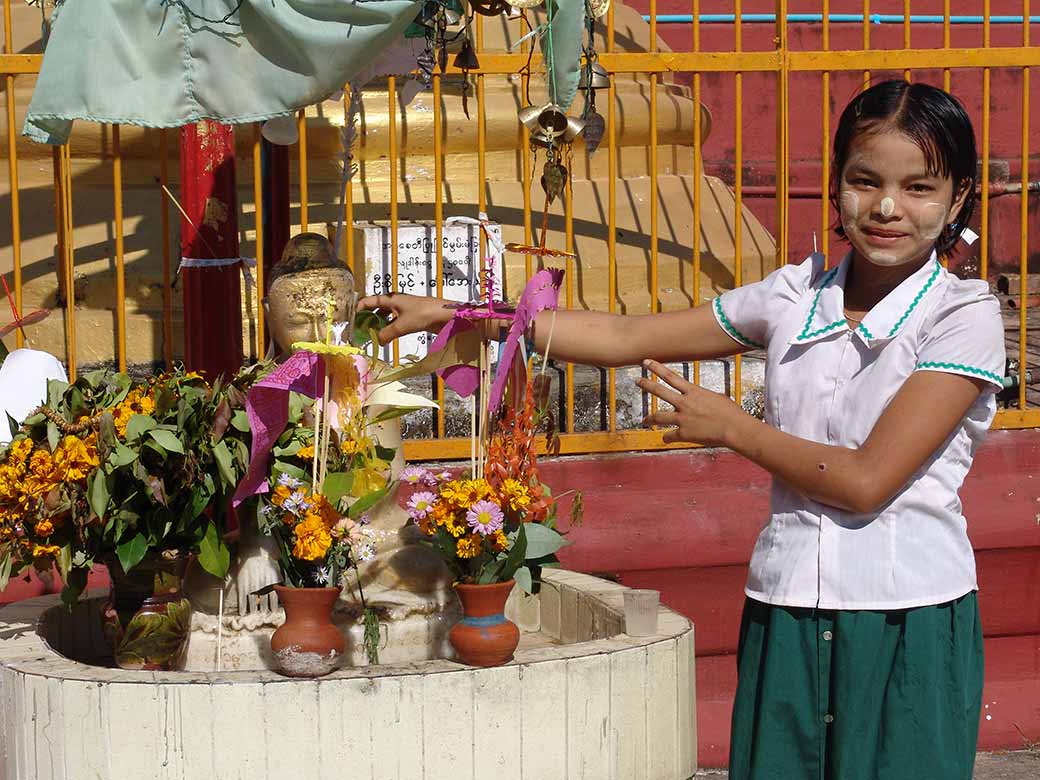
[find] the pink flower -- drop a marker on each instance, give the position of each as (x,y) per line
(416,475)
(484,517)
(421,504)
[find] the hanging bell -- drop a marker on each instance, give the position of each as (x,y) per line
(552,121)
(466,59)
(594,77)
(281,130)
(574,128)
(529,117)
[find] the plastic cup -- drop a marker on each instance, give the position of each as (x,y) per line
(641,612)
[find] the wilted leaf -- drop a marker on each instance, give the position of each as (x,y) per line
(222,455)
(156,488)
(221,419)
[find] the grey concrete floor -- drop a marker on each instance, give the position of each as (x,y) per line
(1010,765)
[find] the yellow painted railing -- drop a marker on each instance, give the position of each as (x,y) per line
(654,65)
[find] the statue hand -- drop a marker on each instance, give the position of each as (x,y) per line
(258,568)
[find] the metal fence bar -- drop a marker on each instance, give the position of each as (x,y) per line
(258,222)
(612,173)
(1023,272)
(984,200)
(348,194)
(301,122)
(655,292)
(825,145)
(698,170)
(117,185)
(738,186)
(438,213)
(12,169)
(391,153)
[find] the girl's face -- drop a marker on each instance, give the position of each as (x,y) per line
(892,208)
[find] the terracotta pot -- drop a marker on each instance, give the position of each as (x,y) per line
(307,644)
(484,637)
(147,617)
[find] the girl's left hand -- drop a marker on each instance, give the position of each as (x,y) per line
(700,416)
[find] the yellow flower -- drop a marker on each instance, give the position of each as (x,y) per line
(281,493)
(44,528)
(306,452)
(75,459)
(43,476)
(18,452)
(136,402)
(516,494)
(451,491)
(468,546)
(498,541)
(41,552)
(456,524)
(312,539)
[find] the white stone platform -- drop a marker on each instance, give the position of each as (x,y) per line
(581,701)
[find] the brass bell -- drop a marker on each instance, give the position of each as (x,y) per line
(594,77)
(466,59)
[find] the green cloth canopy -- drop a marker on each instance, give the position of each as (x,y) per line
(167,63)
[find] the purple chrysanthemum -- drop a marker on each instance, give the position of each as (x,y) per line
(484,517)
(416,475)
(421,504)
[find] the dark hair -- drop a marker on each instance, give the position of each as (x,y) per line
(935,120)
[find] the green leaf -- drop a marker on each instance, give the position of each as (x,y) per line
(130,553)
(53,435)
(74,585)
(366,502)
(240,421)
(393,413)
(122,456)
(64,561)
(337,485)
(138,425)
(523,579)
(222,455)
(364,323)
(167,440)
(97,493)
(542,541)
(517,553)
(5,570)
(214,555)
(55,390)
(11,422)
(281,467)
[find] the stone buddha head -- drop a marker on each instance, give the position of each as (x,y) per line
(307,276)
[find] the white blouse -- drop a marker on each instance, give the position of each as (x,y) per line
(830,384)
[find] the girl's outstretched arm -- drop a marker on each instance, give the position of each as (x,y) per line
(587,337)
(859,479)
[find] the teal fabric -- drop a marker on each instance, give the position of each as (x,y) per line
(562,47)
(156,63)
(890,695)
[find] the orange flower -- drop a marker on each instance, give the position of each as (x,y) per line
(499,541)
(469,546)
(44,528)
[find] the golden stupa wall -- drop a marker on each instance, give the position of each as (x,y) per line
(93,200)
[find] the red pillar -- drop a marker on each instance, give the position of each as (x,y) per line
(212,296)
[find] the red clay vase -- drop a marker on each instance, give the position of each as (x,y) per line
(307,644)
(484,637)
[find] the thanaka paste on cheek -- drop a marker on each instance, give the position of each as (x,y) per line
(933,220)
(849,202)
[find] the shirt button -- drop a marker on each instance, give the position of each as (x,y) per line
(828,718)
(827,635)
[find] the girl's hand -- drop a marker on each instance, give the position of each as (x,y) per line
(410,313)
(699,415)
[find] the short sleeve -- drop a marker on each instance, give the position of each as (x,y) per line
(966,336)
(750,313)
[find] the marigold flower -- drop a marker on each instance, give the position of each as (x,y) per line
(498,540)
(44,552)
(455,524)
(75,459)
(44,528)
(281,493)
(485,517)
(469,546)
(43,476)
(516,494)
(312,539)
(306,452)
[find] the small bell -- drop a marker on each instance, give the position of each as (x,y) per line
(466,59)
(574,128)
(529,117)
(594,77)
(552,121)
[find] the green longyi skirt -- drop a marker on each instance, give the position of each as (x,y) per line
(857,695)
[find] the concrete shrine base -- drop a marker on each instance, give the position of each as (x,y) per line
(581,700)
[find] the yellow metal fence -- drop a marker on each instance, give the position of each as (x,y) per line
(655,65)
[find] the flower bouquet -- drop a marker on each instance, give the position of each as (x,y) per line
(317,467)
(136,474)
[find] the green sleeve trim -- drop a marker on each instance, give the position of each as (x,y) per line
(916,300)
(730,329)
(806,334)
(960,367)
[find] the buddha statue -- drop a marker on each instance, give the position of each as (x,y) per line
(403,578)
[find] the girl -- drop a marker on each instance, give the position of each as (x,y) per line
(860,651)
